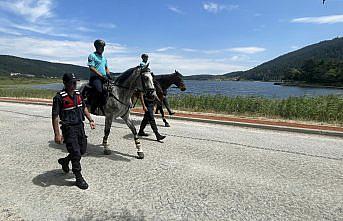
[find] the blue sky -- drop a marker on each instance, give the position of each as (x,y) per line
(194,37)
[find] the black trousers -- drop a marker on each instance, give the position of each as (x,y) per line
(76,143)
(100,93)
(149,116)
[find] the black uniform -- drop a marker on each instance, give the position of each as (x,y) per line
(149,100)
(71,113)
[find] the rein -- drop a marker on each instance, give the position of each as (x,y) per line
(113,84)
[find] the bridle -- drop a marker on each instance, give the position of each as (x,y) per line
(111,84)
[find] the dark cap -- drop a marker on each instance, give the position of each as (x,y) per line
(68,77)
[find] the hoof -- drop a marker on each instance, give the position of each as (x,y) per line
(167,124)
(140,155)
(107,151)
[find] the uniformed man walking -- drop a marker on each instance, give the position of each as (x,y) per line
(68,106)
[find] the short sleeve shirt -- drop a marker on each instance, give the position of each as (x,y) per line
(99,62)
(143,64)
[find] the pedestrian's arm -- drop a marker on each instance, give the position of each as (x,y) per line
(58,138)
(89,118)
(55,125)
(142,101)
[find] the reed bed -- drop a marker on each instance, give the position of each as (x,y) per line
(324,109)
(328,109)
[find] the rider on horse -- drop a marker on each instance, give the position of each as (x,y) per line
(144,63)
(99,74)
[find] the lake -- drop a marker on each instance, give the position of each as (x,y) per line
(237,88)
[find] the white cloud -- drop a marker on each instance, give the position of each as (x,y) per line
(72,52)
(243,50)
(165,49)
(189,50)
(84,29)
(247,50)
(239,58)
(214,7)
(9,31)
(32,10)
(165,63)
(37,17)
(106,25)
(119,57)
(331,19)
(175,9)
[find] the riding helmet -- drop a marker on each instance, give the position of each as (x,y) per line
(99,43)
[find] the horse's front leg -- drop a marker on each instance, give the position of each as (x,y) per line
(132,127)
(108,124)
(159,107)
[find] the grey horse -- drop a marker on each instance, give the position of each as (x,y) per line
(119,101)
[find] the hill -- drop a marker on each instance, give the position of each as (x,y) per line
(11,64)
(279,68)
(326,57)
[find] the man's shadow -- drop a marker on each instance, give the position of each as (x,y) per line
(54,177)
(58,178)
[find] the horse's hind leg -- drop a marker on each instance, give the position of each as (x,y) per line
(108,124)
(160,107)
(132,127)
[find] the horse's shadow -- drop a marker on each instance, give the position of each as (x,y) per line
(137,122)
(54,177)
(130,137)
(96,151)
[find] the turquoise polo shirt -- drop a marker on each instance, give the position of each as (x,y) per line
(143,64)
(99,62)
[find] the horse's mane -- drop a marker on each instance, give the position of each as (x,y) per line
(167,76)
(125,75)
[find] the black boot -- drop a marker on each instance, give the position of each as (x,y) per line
(80,182)
(141,129)
(142,133)
(153,125)
(166,124)
(65,164)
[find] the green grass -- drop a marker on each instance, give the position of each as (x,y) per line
(21,87)
(328,109)
(10,81)
(26,92)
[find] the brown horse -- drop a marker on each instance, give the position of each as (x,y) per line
(162,83)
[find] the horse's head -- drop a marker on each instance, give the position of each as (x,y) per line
(178,81)
(144,81)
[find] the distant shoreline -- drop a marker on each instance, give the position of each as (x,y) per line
(308,85)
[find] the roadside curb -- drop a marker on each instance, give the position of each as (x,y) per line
(251,123)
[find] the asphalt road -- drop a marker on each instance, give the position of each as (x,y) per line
(200,172)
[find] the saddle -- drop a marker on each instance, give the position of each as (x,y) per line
(95,104)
